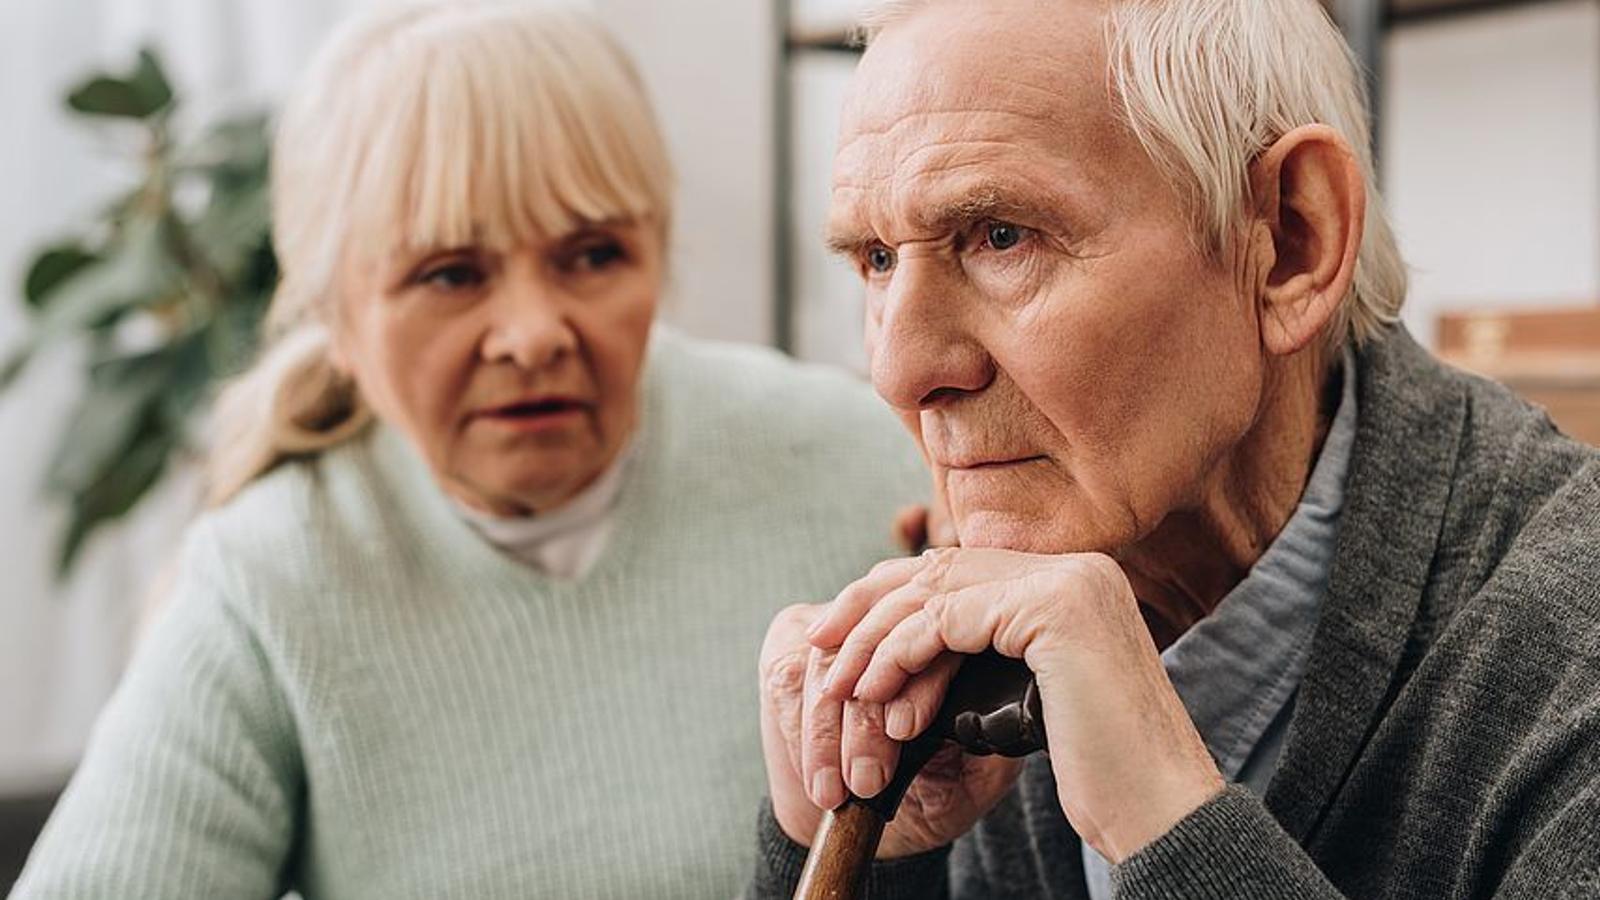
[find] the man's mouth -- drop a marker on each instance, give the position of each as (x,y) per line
(978,465)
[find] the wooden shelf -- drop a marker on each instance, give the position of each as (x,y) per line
(1551,357)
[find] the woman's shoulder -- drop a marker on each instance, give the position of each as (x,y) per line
(726,411)
(311,518)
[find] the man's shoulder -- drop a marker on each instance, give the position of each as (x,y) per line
(1553,557)
(1525,526)
(1535,490)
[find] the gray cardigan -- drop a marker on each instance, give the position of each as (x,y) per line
(1446,741)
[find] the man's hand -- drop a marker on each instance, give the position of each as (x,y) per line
(811,742)
(1127,760)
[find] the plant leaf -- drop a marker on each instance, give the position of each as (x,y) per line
(235,150)
(115,403)
(152,81)
(14,364)
(141,94)
(53,267)
(136,272)
(232,226)
(121,488)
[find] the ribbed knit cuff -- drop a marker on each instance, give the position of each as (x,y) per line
(780,860)
(1231,847)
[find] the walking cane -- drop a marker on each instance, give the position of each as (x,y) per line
(991,708)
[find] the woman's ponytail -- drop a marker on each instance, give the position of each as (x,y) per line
(292,402)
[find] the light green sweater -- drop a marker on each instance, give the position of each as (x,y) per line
(353,695)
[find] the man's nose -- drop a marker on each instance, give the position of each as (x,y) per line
(528,326)
(923,346)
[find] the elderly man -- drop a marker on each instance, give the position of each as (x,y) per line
(1312,616)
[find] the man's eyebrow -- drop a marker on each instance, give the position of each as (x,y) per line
(955,212)
(848,240)
(976,205)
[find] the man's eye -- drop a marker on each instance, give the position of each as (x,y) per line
(880,259)
(1002,235)
(453,276)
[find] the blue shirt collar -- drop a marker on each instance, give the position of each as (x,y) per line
(1237,669)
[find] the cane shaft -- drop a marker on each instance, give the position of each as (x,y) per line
(841,854)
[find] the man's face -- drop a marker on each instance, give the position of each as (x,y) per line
(1040,310)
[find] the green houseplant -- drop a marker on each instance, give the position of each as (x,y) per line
(164,292)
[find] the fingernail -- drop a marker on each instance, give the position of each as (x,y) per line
(900,720)
(825,789)
(867,777)
(830,681)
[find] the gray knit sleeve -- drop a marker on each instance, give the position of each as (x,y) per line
(1230,847)
(779,861)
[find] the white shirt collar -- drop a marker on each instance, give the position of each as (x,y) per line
(567,541)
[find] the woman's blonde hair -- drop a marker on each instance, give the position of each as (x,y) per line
(432,124)
(1207,85)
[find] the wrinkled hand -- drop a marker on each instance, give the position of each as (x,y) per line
(811,741)
(1127,760)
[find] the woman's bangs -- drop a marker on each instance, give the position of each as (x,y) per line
(495,144)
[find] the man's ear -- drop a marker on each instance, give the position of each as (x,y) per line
(1312,199)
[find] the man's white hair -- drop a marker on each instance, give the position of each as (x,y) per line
(1207,85)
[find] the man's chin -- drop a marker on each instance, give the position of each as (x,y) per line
(1023,532)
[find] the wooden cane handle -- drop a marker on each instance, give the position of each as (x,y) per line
(841,854)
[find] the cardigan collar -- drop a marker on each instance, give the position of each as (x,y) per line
(1401,471)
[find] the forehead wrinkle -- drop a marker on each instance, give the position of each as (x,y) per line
(951,148)
(869,164)
(856,131)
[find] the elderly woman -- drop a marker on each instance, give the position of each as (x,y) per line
(1311,615)
(477,612)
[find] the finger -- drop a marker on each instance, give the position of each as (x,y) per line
(908,649)
(853,602)
(856,651)
(820,726)
(782,666)
(782,698)
(963,621)
(869,754)
(911,712)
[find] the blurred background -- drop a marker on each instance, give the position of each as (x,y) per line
(1489,138)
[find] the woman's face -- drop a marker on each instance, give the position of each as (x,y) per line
(514,371)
